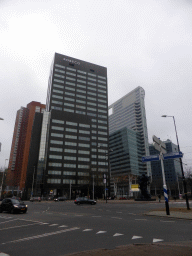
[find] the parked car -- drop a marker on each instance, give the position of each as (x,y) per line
(32,199)
(84,200)
(13,205)
(60,199)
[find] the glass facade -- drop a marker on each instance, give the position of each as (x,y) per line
(172,168)
(126,156)
(129,112)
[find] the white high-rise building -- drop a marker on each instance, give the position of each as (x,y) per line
(129,112)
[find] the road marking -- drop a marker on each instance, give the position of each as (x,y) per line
(63,226)
(116,218)
(96,216)
(118,234)
(53,225)
(157,240)
(43,235)
(44,223)
(19,226)
(7,221)
(167,220)
(136,237)
(141,219)
(101,232)
(87,230)
(5,217)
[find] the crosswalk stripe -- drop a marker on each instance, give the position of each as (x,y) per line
(136,237)
(101,232)
(118,234)
(157,240)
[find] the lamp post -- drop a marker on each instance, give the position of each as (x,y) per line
(105,175)
(33,181)
(180,160)
(3,178)
(107,158)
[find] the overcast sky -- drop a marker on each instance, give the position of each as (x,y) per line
(142,43)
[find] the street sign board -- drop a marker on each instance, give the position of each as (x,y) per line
(150,158)
(173,155)
(159,142)
(159,148)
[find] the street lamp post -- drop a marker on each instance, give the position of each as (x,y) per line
(105,175)
(181,164)
(33,181)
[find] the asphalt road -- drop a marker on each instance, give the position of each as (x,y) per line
(60,228)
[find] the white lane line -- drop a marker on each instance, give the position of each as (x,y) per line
(7,221)
(39,236)
(5,217)
(19,226)
(43,223)
(136,237)
(157,240)
(63,226)
(96,216)
(87,230)
(118,234)
(53,225)
(101,232)
(167,220)
(141,219)
(116,218)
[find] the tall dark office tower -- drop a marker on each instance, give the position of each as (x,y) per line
(77,118)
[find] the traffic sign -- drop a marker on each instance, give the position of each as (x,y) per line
(159,148)
(173,155)
(159,142)
(150,158)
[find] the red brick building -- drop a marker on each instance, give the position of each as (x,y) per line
(19,154)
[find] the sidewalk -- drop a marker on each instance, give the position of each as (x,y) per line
(168,249)
(173,214)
